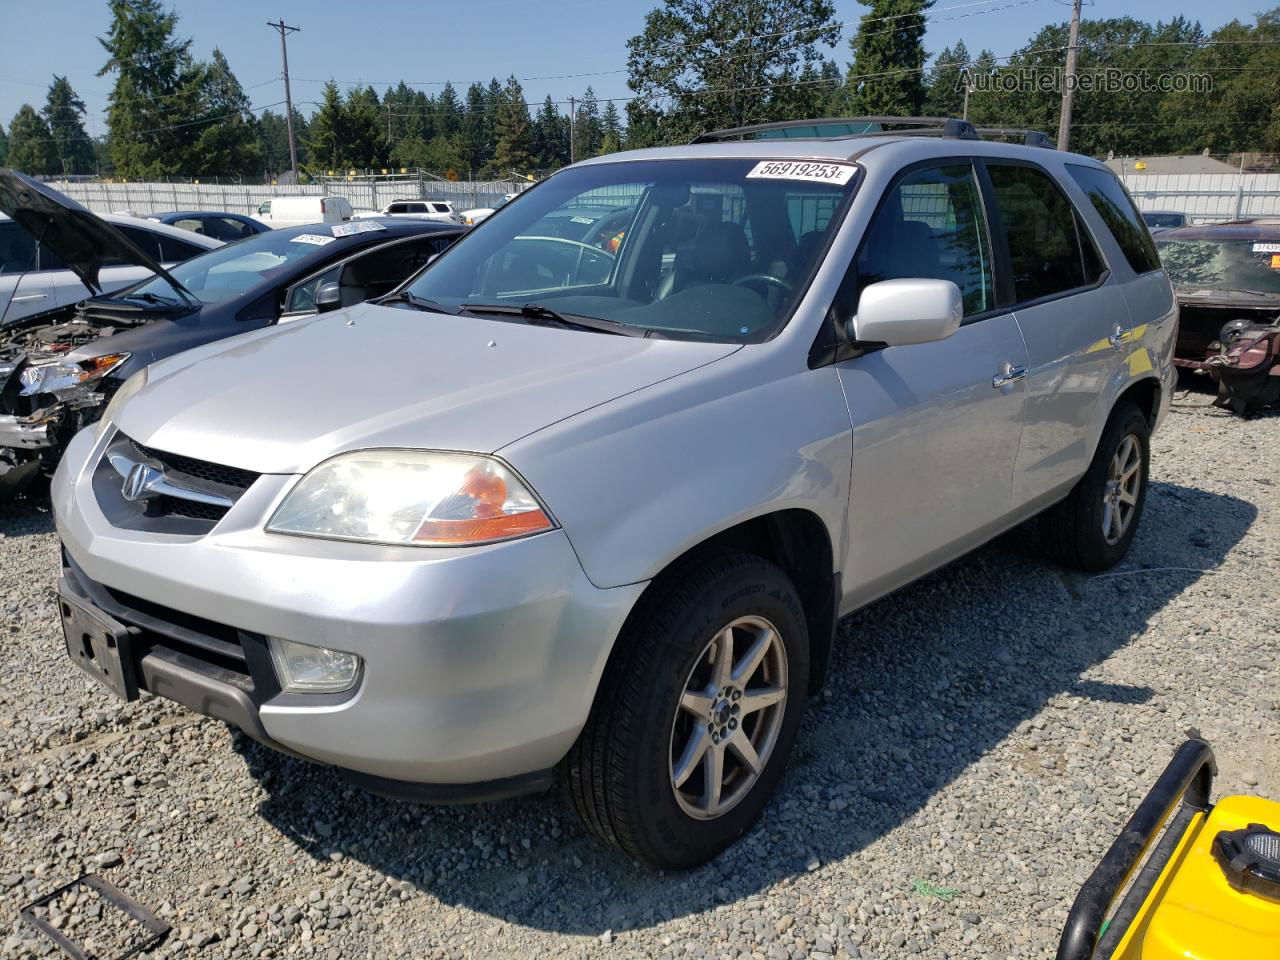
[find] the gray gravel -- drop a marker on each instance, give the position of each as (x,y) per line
(983,735)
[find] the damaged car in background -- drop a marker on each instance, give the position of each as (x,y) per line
(1227,280)
(58,368)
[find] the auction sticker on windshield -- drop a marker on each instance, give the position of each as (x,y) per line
(351,229)
(313,238)
(813,171)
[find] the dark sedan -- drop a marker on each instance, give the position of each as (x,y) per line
(59,368)
(219,225)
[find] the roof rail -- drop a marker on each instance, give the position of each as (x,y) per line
(1030,138)
(872,126)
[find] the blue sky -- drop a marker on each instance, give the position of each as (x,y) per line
(383,41)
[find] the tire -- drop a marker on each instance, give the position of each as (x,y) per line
(620,774)
(1073,530)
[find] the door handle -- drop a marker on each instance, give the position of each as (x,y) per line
(1011,375)
(28,297)
(1118,336)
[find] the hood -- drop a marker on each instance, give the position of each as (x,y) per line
(83,240)
(373,376)
(1193,295)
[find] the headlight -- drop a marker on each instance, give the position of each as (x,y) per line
(54,377)
(302,668)
(127,390)
(416,498)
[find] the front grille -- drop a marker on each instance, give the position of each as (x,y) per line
(213,472)
(167,506)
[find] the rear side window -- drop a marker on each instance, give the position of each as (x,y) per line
(17,249)
(1118,212)
(440,207)
(1049,251)
(930,225)
(173,250)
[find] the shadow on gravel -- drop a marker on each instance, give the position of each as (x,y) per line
(26,514)
(924,683)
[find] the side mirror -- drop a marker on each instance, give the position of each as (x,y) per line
(902,312)
(328,297)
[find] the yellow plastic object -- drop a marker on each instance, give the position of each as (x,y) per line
(1193,913)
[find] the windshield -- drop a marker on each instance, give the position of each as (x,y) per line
(229,271)
(714,249)
(1251,265)
(1164,219)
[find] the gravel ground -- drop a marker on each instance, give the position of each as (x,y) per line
(980,741)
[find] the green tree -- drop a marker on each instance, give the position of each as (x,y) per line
(64,112)
(808,93)
(328,133)
(4,147)
(714,61)
(944,90)
(367,128)
(226,144)
(31,148)
(475,136)
(156,92)
(273,140)
(512,131)
(448,112)
(885,76)
(550,137)
(587,132)
(610,129)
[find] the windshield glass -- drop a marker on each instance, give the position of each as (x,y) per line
(229,271)
(713,249)
(1222,264)
(1164,219)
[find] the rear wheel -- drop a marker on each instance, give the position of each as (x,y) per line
(1094,526)
(696,714)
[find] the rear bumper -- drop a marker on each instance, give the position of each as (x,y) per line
(480,665)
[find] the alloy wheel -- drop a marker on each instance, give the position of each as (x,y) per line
(1120,494)
(729,717)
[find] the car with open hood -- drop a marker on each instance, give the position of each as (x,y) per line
(563,510)
(60,367)
(1226,277)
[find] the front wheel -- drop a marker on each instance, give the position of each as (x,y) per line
(696,713)
(1094,526)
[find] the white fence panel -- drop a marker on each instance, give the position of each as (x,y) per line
(1208,196)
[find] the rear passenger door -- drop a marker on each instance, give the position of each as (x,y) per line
(935,425)
(1068,315)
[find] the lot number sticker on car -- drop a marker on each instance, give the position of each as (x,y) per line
(1266,248)
(312,238)
(356,226)
(815,172)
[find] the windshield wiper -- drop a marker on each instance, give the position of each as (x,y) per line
(152,298)
(417,302)
(537,313)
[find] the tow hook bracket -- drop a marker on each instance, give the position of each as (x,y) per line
(146,930)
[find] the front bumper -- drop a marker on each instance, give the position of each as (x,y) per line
(24,433)
(480,664)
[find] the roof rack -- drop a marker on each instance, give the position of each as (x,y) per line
(871,126)
(1030,138)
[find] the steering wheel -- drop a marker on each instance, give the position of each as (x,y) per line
(767,279)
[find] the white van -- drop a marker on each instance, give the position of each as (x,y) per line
(295,211)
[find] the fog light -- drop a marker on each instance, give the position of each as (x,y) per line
(302,668)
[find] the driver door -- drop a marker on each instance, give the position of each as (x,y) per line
(936,426)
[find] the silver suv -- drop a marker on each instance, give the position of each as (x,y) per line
(588,507)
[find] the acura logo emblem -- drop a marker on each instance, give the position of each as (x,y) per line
(139,483)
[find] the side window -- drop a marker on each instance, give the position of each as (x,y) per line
(264,208)
(194,224)
(50,260)
(380,271)
(930,224)
(440,207)
(173,250)
(1118,212)
(144,240)
(17,249)
(398,208)
(1049,251)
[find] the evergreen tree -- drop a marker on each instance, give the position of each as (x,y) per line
(4,147)
(806,94)
(328,133)
(448,112)
(944,92)
(885,76)
(64,112)
(273,140)
(587,132)
(367,128)
(610,129)
(156,93)
(513,133)
(31,148)
(646,125)
(476,133)
(715,61)
(550,137)
(227,143)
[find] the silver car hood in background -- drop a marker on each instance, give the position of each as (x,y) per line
(377,376)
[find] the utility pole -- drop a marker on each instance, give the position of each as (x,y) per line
(573,119)
(284,29)
(1069,79)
